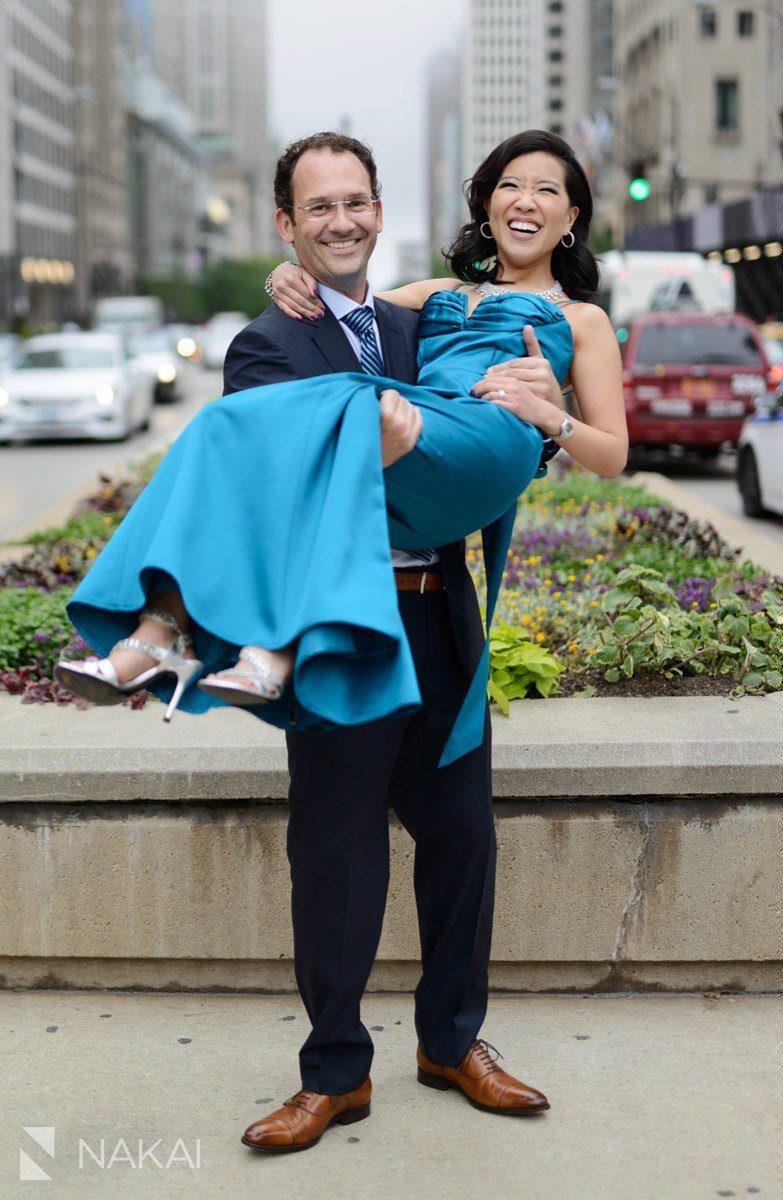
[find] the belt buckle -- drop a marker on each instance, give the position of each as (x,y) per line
(423,582)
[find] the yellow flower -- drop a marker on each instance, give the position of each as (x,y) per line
(62,562)
(556,595)
(588,576)
(713,606)
(591,651)
(526,619)
(547,583)
(107,520)
(540,637)
(694,604)
(92,552)
(572,578)
(594,604)
(600,557)
(589,562)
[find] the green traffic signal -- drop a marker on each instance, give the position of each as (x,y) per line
(639,188)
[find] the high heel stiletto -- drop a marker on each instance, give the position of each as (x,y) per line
(96,680)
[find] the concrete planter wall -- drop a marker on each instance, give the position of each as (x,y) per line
(640,846)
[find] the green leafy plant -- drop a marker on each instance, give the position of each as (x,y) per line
(34,627)
(646,630)
(517,665)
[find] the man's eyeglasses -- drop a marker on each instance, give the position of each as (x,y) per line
(356,206)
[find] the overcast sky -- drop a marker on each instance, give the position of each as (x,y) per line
(365,61)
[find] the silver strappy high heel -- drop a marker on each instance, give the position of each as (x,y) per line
(268,684)
(96,680)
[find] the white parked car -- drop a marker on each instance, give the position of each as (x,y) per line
(73,385)
(760,459)
(218,334)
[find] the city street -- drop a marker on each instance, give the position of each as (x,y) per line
(714,482)
(36,476)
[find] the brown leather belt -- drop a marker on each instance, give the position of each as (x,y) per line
(419,581)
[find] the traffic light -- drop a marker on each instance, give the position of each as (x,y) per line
(638,184)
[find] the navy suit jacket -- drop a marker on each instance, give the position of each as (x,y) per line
(275,348)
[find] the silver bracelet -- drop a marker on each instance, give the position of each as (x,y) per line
(269,282)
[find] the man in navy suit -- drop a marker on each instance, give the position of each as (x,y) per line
(342,781)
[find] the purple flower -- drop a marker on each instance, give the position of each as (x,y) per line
(42,637)
(695,592)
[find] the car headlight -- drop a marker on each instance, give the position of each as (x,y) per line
(186,347)
(167,373)
(104,394)
(5,397)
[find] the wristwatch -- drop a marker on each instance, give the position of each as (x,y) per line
(566,429)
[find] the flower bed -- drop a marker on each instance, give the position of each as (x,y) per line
(607,590)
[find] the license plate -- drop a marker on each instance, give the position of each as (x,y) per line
(49,416)
(698,389)
(671,407)
(725,408)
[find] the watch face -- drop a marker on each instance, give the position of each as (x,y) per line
(566,429)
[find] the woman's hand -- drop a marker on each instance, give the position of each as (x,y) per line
(507,391)
(294,292)
(533,370)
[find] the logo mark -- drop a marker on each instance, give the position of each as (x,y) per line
(43,1136)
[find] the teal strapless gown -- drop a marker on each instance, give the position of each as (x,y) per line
(274,518)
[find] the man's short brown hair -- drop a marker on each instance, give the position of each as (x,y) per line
(340,143)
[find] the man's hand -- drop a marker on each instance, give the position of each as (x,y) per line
(534,371)
(401,425)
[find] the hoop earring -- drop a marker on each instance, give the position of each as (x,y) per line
(563,241)
(488,236)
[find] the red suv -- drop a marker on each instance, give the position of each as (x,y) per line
(690,380)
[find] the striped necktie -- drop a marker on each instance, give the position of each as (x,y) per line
(360,322)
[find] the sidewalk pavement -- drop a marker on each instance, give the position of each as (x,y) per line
(653,1097)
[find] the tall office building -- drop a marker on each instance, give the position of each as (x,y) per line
(103,262)
(212,54)
(527,66)
(37,161)
(704,135)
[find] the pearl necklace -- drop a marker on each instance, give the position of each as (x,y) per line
(494,289)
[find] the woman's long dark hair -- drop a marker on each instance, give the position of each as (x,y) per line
(576,269)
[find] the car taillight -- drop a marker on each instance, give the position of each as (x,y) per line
(775,376)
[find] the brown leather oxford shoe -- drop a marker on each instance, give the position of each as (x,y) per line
(483,1082)
(300,1123)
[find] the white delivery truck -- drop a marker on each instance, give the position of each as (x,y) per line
(128,314)
(637,281)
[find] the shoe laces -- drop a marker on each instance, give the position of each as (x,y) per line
(482,1049)
(300,1099)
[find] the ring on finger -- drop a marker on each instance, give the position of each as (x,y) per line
(501,394)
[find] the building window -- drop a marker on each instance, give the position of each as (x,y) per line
(555,31)
(557,128)
(555,105)
(726,105)
(555,6)
(745,24)
(555,80)
(708,22)
(555,56)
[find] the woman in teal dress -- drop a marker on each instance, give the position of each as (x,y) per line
(266,531)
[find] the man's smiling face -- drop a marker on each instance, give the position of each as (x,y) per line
(336,247)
